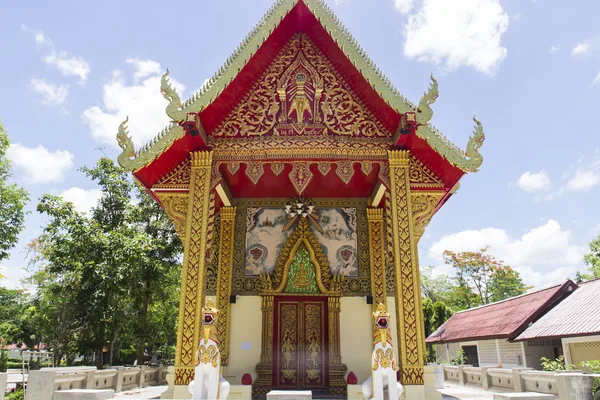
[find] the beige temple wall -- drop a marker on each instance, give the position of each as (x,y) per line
(356,335)
(584,348)
(244,338)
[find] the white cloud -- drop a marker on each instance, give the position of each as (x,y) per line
(581,48)
(38,164)
(543,256)
(51,94)
(403,6)
(144,68)
(583,180)
(38,36)
(142,101)
(596,79)
(69,65)
(534,182)
(554,49)
(458,33)
(82,199)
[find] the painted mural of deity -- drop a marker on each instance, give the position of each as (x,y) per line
(265,239)
(339,239)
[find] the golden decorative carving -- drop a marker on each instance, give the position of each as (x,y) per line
(254,171)
(421,176)
(226,245)
(277,168)
(324,167)
(407,286)
(178,178)
(175,205)
(300,94)
(289,363)
(300,176)
(377,255)
(233,167)
(302,234)
(194,265)
(314,353)
(366,168)
(344,170)
(423,206)
(300,147)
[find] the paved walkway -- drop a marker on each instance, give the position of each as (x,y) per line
(152,392)
(454,391)
(450,392)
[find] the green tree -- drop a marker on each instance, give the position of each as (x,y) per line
(592,260)
(13,199)
(481,279)
(114,273)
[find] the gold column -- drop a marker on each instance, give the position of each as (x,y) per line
(193,278)
(337,370)
(265,367)
(226,240)
(377,256)
(407,286)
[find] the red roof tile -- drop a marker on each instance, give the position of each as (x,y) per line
(578,315)
(503,319)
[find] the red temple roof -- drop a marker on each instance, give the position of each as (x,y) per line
(214,102)
(503,319)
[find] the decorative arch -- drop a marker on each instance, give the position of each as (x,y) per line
(302,236)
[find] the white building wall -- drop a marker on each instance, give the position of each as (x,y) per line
(488,354)
(511,354)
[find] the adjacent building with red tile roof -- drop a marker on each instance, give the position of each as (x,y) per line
(486,333)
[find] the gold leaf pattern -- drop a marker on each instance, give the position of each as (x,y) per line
(345,171)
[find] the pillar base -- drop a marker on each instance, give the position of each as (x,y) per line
(176,392)
(413,392)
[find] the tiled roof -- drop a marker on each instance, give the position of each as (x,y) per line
(503,319)
(577,315)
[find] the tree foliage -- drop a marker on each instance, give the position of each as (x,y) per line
(592,260)
(13,199)
(108,278)
(481,279)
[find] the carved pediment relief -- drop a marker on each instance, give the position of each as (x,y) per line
(300,94)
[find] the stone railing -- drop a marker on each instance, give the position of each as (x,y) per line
(43,383)
(564,385)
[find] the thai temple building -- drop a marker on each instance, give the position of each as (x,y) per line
(300,182)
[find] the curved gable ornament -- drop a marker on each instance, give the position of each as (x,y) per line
(301,238)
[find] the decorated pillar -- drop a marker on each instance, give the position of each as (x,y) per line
(193,280)
(337,370)
(264,369)
(226,244)
(377,256)
(407,286)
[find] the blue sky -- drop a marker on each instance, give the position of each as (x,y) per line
(529,70)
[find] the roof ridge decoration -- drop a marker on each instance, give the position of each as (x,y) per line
(468,161)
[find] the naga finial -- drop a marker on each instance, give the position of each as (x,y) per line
(173,109)
(474,144)
(124,140)
(424,111)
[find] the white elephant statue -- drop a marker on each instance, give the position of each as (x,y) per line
(208,382)
(382,384)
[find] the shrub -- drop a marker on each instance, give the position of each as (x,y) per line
(18,394)
(594,367)
(555,365)
(459,358)
(3,360)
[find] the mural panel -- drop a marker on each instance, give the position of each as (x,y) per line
(265,238)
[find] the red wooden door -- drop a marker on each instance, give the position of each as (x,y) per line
(300,342)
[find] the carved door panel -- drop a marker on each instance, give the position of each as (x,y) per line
(301,342)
